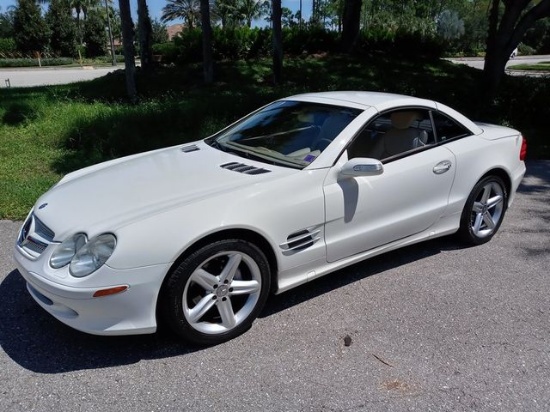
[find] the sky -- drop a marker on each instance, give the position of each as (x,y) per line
(155,6)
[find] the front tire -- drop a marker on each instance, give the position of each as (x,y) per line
(216,293)
(484,211)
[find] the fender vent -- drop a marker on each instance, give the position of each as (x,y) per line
(246,169)
(300,240)
(188,149)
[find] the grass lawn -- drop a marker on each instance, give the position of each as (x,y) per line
(46,132)
(540,67)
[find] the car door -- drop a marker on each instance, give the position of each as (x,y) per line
(410,195)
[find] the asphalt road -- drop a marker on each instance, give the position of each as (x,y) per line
(433,327)
(27,77)
(479,62)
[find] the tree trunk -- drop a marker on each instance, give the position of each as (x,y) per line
(208,60)
(128,44)
(277,41)
(493,68)
(351,22)
(145,36)
(110,31)
(505,33)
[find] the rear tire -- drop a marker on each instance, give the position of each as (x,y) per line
(216,293)
(484,211)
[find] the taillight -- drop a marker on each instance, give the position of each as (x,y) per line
(523,151)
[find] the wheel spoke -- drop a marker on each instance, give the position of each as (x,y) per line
(226,312)
(477,207)
(244,287)
(199,310)
(204,279)
(230,268)
(486,194)
(477,224)
(488,219)
(495,200)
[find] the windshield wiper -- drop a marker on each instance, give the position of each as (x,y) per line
(217,145)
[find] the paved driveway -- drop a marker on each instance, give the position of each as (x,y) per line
(434,327)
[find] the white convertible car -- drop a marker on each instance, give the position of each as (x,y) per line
(198,235)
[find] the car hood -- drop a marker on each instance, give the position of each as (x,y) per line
(113,194)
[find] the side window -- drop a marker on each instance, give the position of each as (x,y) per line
(447,129)
(392,134)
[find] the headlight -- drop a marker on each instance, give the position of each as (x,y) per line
(65,252)
(92,255)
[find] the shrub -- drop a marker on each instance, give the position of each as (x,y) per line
(233,44)
(18,113)
(189,47)
(28,62)
(168,51)
(313,40)
(525,50)
(7,47)
(95,37)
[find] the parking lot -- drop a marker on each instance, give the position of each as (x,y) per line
(433,327)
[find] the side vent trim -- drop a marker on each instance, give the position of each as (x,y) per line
(246,169)
(300,240)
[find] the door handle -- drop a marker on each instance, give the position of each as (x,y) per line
(442,167)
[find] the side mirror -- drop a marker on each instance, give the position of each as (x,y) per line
(361,166)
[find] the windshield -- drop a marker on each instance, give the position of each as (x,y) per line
(287,133)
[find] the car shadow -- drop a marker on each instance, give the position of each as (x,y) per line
(359,271)
(40,343)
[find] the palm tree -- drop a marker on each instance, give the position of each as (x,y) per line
(128,44)
(251,9)
(351,20)
(110,31)
(226,12)
(145,35)
(188,10)
(208,60)
(276,14)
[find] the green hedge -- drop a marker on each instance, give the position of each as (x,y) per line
(251,43)
(27,62)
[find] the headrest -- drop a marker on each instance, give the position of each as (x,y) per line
(306,118)
(403,120)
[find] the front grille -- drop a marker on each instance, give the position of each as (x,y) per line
(42,230)
(35,236)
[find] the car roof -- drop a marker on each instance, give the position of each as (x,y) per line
(363,99)
(381,102)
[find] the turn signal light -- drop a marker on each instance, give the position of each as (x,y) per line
(109,291)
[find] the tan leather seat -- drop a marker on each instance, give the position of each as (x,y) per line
(401,137)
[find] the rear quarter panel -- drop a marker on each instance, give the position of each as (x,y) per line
(495,148)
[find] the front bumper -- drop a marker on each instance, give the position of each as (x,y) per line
(127,313)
